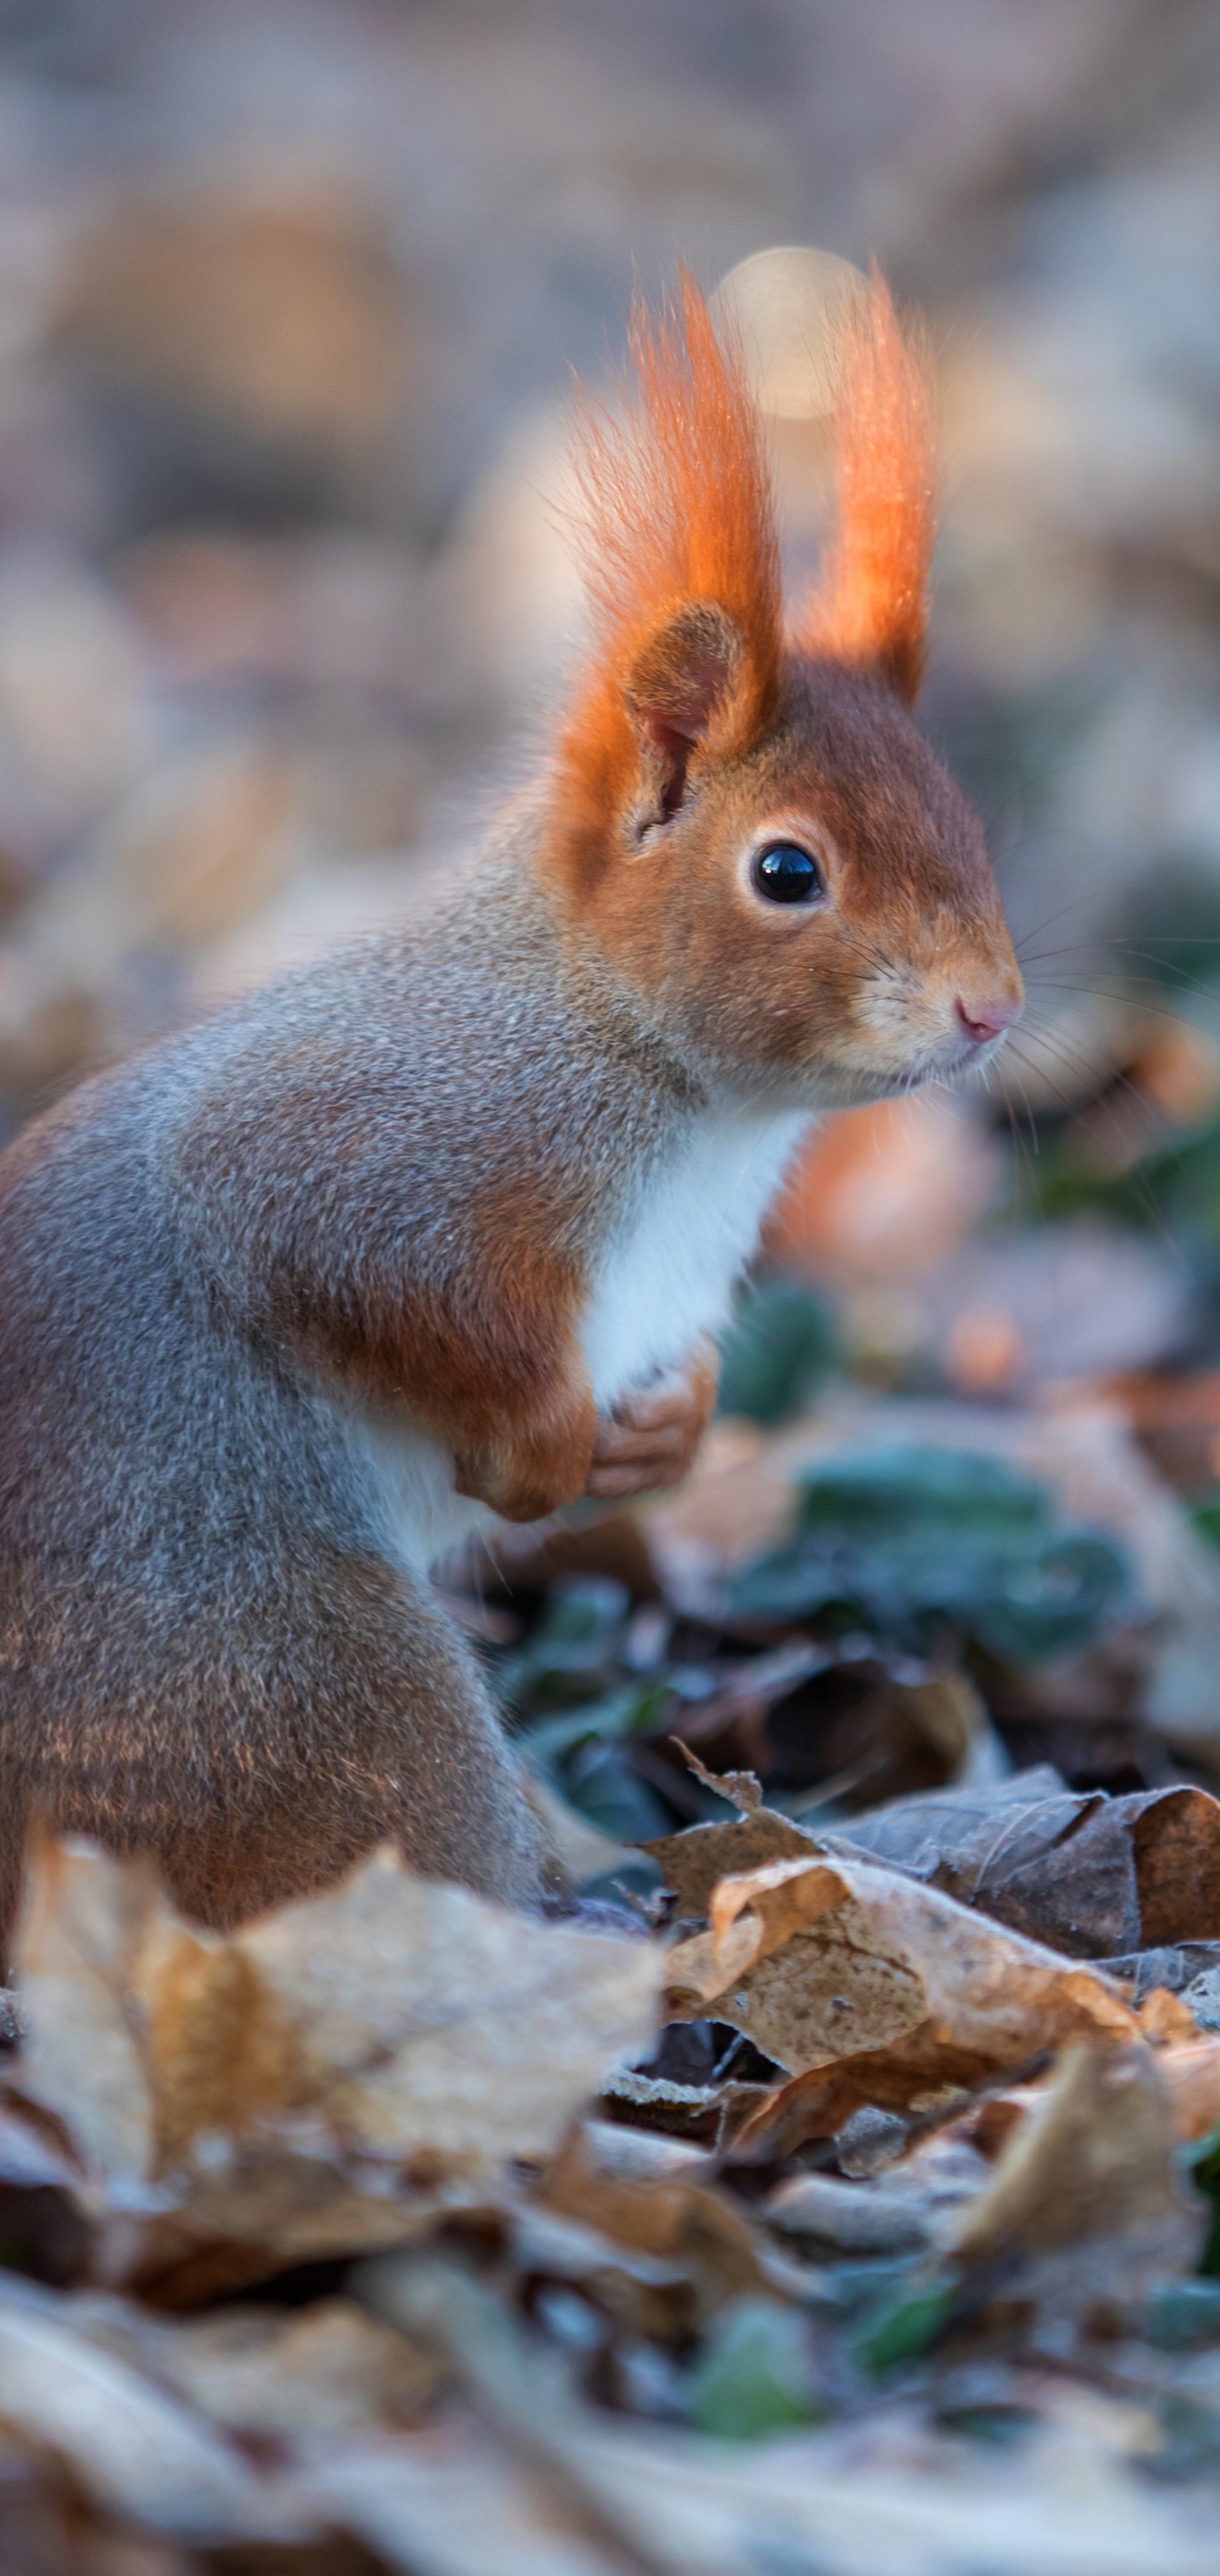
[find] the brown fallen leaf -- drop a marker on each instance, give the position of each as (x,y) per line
(393,2015)
(428,2019)
(1166,2019)
(1089,1874)
(263,2213)
(823,1961)
(692,1863)
(699,2113)
(1191,2077)
(1089,2180)
(690,2224)
(307,2374)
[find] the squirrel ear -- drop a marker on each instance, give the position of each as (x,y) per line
(681,564)
(871,606)
(684,677)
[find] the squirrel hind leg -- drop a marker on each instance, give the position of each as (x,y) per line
(15,1808)
(401,1744)
(342,1711)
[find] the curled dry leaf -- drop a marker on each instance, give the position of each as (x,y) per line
(742,1788)
(1090,2171)
(832,1963)
(397,2015)
(1089,1874)
(694,1862)
(702,2113)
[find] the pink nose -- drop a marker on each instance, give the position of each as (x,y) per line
(987,1019)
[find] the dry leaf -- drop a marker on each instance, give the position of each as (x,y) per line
(828,1962)
(427,2019)
(1191,2077)
(1088,1874)
(687,2223)
(699,2113)
(693,1863)
(302,2374)
(81,1925)
(134,2450)
(1091,2166)
(399,2014)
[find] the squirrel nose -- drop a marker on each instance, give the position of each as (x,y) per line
(986,1019)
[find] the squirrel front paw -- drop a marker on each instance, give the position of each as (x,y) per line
(651,1439)
(527,1478)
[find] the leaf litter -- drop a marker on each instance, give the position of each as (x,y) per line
(835,2183)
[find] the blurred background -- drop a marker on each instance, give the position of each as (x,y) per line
(289,295)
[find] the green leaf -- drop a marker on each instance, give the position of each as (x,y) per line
(1181,2315)
(913,1544)
(754,2374)
(1042,1604)
(777,1353)
(571,1655)
(904,2327)
(1203,2166)
(907,1487)
(600,1782)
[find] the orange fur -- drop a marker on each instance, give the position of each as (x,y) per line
(871,603)
(677,511)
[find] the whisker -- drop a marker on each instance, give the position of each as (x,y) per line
(1156,1010)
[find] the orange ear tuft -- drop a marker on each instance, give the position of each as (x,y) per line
(871,603)
(678,547)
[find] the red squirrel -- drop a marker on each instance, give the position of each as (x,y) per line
(437,1231)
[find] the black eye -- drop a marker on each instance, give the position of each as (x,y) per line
(785,873)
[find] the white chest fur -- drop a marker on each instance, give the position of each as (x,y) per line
(668,1275)
(665,1278)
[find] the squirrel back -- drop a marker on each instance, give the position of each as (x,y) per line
(432,1232)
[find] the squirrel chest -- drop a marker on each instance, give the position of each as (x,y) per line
(664,1276)
(667,1273)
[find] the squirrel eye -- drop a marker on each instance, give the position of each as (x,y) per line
(784,873)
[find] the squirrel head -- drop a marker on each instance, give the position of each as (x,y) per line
(746,825)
